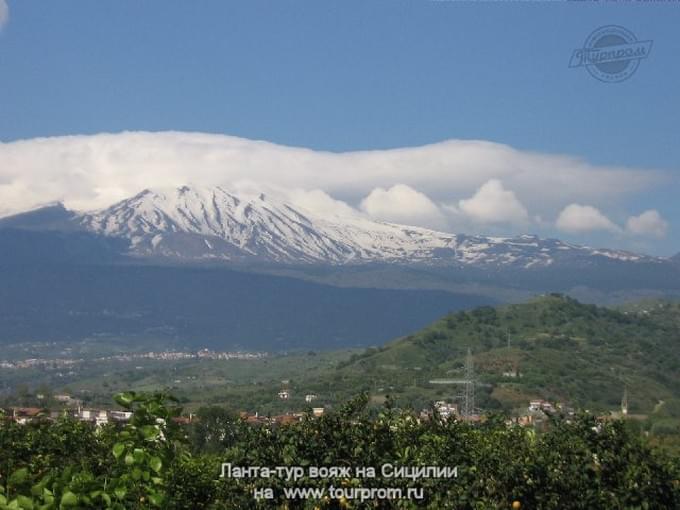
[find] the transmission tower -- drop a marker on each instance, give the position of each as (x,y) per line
(469,397)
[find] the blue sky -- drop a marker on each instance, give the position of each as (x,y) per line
(358,75)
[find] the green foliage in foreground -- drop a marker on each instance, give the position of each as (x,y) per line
(152,463)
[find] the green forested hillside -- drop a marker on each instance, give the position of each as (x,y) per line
(551,347)
(561,350)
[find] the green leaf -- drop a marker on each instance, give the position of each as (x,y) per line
(125,399)
(150,432)
(156,464)
(25,502)
(19,476)
(118,449)
(138,455)
(129,459)
(69,499)
(156,409)
(47,496)
(156,498)
(120,492)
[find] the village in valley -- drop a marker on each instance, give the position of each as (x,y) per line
(42,404)
(536,414)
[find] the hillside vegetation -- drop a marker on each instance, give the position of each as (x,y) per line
(552,347)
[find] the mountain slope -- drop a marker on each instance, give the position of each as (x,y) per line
(190,222)
(198,307)
(264,233)
(24,247)
(562,349)
(49,217)
(214,224)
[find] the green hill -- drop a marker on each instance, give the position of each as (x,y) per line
(557,348)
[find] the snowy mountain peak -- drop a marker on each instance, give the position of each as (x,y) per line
(214,223)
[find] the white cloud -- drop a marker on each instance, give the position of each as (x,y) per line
(4,13)
(402,204)
(648,224)
(320,202)
(94,171)
(492,203)
(576,218)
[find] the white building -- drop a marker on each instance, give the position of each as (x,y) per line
(540,405)
(101,418)
(445,409)
(120,415)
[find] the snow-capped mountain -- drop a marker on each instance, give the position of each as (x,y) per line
(303,278)
(265,234)
(213,223)
(194,224)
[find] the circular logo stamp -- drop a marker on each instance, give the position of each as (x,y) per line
(611,53)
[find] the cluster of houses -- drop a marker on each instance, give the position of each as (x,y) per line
(545,407)
(283,419)
(60,363)
(541,405)
(537,412)
(99,417)
(309,398)
(23,415)
(448,411)
(445,409)
(284,394)
(73,408)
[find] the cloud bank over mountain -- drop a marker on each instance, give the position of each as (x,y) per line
(452,185)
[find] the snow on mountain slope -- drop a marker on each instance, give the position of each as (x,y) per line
(213,223)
